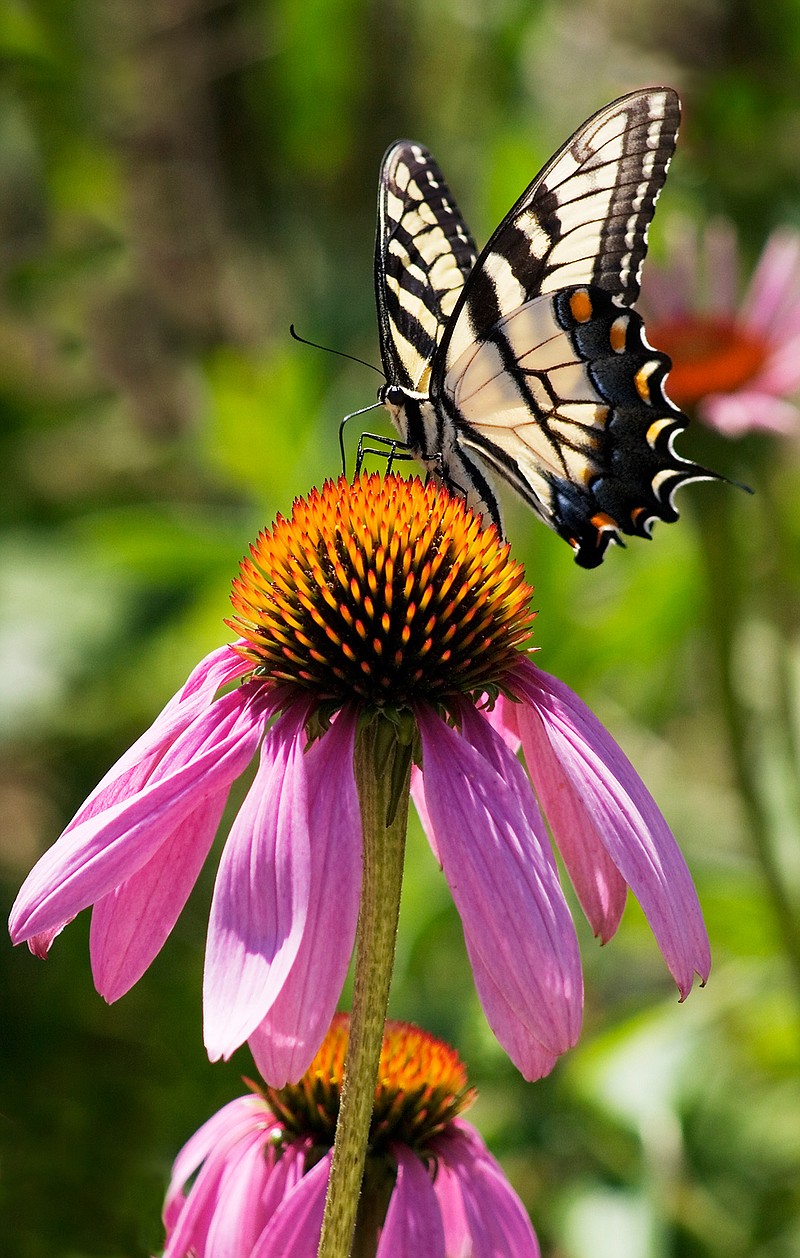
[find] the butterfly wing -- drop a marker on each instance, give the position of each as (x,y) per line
(423,255)
(544,370)
(583,220)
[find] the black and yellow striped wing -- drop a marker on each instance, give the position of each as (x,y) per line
(540,371)
(423,255)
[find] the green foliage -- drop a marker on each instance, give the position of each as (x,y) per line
(179,183)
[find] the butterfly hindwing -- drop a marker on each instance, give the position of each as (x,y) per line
(565,401)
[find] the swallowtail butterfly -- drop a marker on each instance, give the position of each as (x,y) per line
(527,360)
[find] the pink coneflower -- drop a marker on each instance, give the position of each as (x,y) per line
(735,360)
(259,1168)
(380,595)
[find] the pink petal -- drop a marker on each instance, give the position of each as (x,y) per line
(780,375)
(530,1057)
(294,1230)
(131,923)
(502,879)
(260,902)
(286,1041)
(96,855)
(287,1171)
(217,1135)
(501,755)
(239,1218)
(413,1225)
(604,783)
(774,283)
(502,719)
(201,1209)
(600,887)
(418,796)
(133,768)
(734,414)
(497,1225)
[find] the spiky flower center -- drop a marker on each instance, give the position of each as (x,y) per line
(422,1086)
(382,591)
(710,354)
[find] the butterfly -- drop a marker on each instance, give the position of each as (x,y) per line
(527,361)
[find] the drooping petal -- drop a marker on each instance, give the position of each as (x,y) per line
(624,815)
(500,753)
(413,1225)
(503,881)
(206,1206)
(219,1133)
(294,1229)
(530,1057)
(492,1214)
(780,374)
(598,883)
(239,1217)
(133,768)
(502,719)
(286,1041)
(287,1171)
(131,923)
(98,854)
(260,901)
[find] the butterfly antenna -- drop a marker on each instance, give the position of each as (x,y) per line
(339,352)
(352,415)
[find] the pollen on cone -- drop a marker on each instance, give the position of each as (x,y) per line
(382,591)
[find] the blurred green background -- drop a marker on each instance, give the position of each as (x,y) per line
(180,180)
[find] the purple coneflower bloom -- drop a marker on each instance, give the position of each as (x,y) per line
(431,1186)
(735,360)
(387,595)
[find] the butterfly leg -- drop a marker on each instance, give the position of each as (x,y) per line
(389,448)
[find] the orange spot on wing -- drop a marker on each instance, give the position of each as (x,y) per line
(580,303)
(642,381)
(619,334)
(601,522)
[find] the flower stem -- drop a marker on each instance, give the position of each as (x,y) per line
(726,604)
(382,767)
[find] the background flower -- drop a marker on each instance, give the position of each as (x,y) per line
(252,1180)
(735,357)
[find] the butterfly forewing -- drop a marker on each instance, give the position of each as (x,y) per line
(423,255)
(583,219)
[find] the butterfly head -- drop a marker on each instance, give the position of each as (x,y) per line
(391,396)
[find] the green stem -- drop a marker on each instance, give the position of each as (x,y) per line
(725,613)
(381,762)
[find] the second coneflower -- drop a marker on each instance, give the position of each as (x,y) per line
(380,596)
(252,1181)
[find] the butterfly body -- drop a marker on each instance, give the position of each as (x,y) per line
(527,361)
